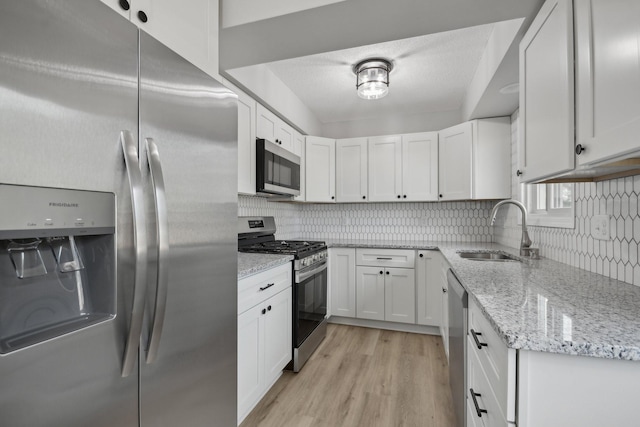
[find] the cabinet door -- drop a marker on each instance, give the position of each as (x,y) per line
(246,144)
(491,155)
(400,295)
(351,170)
(189,27)
(321,169)
(546,138)
(420,166)
(342,281)
(608,78)
(250,359)
(370,293)
(385,169)
(428,289)
(277,334)
(285,135)
(454,162)
(299,149)
(444,328)
(266,124)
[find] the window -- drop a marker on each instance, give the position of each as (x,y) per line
(549,205)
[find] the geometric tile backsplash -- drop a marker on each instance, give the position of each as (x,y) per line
(448,221)
(618,258)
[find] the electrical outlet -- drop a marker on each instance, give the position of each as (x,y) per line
(600,227)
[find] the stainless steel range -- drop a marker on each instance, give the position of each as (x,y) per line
(257,234)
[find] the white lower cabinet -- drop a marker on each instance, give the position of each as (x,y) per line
(428,288)
(444,298)
(370,293)
(342,281)
(264,334)
(385,291)
(386,294)
(491,374)
(399,295)
(277,334)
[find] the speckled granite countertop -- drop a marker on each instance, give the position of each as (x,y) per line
(543,305)
(249,264)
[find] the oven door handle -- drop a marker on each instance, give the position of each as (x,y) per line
(301,276)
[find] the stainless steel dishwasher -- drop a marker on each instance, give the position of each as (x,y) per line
(458,306)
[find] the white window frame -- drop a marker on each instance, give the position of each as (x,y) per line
(556,218)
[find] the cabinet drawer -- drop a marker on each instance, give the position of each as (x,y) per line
(497,361)
(403,258)
(254,289)
(485,398)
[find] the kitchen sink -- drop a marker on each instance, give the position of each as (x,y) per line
(487,256)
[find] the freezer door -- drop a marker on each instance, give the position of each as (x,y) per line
(189,379)
(68,86)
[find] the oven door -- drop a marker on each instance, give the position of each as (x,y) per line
(277,170)
(310,301)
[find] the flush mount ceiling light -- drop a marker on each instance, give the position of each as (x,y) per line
(372,78)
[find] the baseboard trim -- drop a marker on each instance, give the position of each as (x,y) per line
(391,326)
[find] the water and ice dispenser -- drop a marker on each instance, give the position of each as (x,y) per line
(57,262)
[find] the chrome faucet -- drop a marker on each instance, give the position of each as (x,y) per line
(525,243)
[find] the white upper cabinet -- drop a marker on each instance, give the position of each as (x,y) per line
(273,129)
(385,168)
(246,144)
(351,170)
(189,27)
(474,160)
(420,166)
(320,169)
(455,162)
(546,131)
(607,79)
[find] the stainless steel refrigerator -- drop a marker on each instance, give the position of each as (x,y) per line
(144,334)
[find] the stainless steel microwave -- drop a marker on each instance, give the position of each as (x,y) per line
(277,170)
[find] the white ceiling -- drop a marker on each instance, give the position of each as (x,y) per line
(436,47)
(431,74)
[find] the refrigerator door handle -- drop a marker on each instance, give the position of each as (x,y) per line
(162,230)
(140,247)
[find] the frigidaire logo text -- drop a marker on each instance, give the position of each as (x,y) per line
(63,204)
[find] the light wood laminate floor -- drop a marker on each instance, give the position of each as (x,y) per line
(361,377)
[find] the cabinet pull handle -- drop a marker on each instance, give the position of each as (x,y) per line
(398,196)
(404,197)
(267,287)
(479,411)
(444,290)
(580,149)
(440,195)
(421,255)
(381,272)
(387,272)
(519,172)
(385,258)
(124,4)
(364,197)
(264,311)
(333,197)
(269,308)
(475,334)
